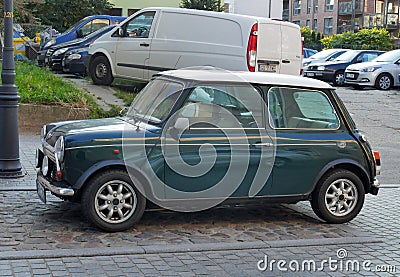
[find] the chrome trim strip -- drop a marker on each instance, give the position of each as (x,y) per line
(56,190)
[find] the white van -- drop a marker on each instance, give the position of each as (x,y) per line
(158,39)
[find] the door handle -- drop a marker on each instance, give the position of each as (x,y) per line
(264,144)
(285,61)
(144,44)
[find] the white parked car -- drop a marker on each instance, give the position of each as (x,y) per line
(382,72)
(323,56)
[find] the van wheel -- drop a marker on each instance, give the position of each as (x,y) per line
(338,197)
(100,71)
(111,201)
(339,78)
(384,82)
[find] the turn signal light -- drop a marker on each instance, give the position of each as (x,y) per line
(377,158)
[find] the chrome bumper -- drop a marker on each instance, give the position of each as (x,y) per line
(41,180)
(374,187)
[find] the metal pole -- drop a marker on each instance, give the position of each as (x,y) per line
(10,166)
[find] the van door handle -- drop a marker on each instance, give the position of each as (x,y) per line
(285,61)
(144,44)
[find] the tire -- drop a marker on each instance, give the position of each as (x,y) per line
(339,79)
(100,71)
(384,81)
(111,202)
(338,197)
(358,87)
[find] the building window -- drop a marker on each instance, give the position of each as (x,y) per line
(329,5)
(315,6)
(309,6)
(315,25)
(308,24)
(328,26)
(296,7)
(296,22)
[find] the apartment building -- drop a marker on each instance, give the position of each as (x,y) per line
(337,16)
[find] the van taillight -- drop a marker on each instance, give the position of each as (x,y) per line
(252,49)
(377,159)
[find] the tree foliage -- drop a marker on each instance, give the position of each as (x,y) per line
(208,5)
(22,13)
(311,39)
(60,14)
(378,39)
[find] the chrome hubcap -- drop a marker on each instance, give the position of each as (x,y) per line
(101,70)
(340,79)
(384,82)
(115,201)
(341,197)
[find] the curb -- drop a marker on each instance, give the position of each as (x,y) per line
(184,248)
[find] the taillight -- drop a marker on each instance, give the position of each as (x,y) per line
(252,49)
(377,159)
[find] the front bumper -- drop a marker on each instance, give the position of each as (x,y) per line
(326,76)
(56,187)
(374,187)
(360,78)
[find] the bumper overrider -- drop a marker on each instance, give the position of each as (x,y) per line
(49,176)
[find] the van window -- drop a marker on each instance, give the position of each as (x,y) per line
(224,107)
(199,28)
(300,109)
(140,25)
(94,25)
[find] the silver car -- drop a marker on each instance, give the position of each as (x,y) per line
(382,72)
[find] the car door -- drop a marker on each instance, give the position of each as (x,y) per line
(309,136)
(133,45)
(224,151)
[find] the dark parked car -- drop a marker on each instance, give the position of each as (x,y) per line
(194,139)
(333,71)
(74,61)
(55,54)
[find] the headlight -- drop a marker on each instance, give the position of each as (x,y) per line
(50,43)
(59,148)
(60,51)
(370,69)
(321,67)
(306,63)
(45,165)
(74,57)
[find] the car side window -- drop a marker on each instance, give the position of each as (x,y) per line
(140,25)
(94,25)
(224,107)
(291,108)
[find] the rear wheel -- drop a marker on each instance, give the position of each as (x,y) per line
(338,197)
(384,82)
(100,71)
(111,201)
(339,78)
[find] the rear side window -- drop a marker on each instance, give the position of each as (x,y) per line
(94,25)
(300,109)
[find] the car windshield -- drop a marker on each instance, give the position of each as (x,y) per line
(74,26)
(155,101)
(391,56)
(323,54)
(347,56)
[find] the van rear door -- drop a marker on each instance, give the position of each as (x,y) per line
(269,45)
(292,55)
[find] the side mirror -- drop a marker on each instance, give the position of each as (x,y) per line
(123,111)
(79,33)
(121,32)
(181,123)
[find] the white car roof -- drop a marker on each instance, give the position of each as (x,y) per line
(245,77)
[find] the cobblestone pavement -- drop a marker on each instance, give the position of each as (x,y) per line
(54,240)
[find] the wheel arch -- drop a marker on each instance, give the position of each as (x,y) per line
(139,179)
(385,73)
(104,53)
(349,165)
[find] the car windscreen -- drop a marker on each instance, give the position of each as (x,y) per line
(75,25)
(347,56)
(391,56)
(323,54)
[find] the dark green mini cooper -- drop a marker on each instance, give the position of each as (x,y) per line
(194,139)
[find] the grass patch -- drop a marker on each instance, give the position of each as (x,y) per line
(38,85)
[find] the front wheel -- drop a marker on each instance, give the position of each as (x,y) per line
(338,197)
(384,82)
(100,71)
(339,78)
(111,201)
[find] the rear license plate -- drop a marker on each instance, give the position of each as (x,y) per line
(350,75)
(41,192)
(310,74)
(267,67)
